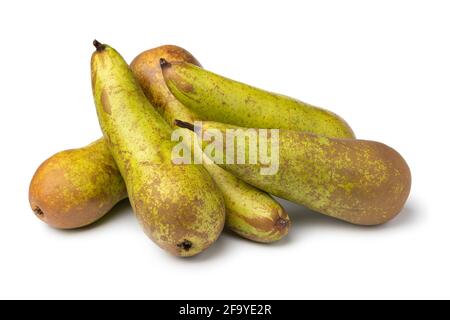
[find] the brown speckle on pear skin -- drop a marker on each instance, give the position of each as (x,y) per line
(105,101)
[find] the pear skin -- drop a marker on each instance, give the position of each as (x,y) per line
(216,98)
(76,187)
(179,206)
(358,181)
(251,213)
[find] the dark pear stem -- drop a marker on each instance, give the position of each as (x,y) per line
(164,63)
(183,124)
(99,46)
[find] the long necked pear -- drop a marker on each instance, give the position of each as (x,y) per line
(358,181)
(216,98)
(76,187)
(179,206)
(250,212)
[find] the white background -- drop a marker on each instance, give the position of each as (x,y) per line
(383,65)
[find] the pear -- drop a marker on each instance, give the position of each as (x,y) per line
(76,187)
(358,181)
(179,206)
(216,98)
(250,212)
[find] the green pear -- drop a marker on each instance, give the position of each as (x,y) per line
(358,181)
(250,212)
(76,187)
(216,98)
(179,206)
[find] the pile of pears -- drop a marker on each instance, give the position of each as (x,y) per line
(183,208)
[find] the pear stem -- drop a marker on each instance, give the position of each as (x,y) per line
(164,63)
(99,46)
(186,125)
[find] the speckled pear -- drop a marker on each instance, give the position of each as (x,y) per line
(76,187)
(217,98)
(179,206)
(251,213)
(358,181)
